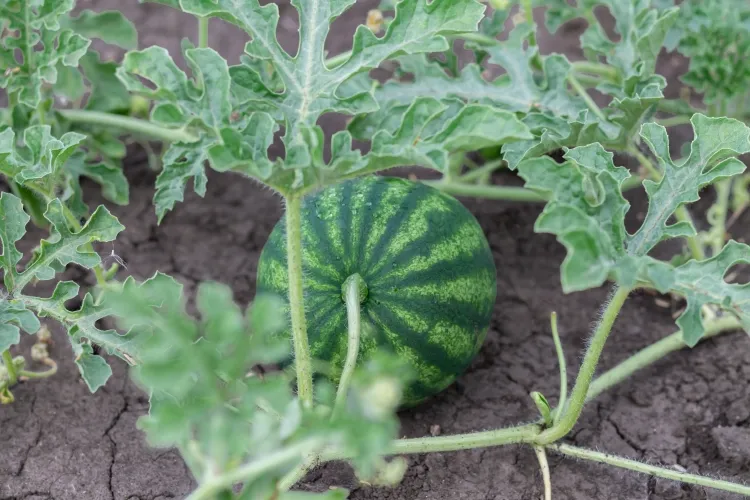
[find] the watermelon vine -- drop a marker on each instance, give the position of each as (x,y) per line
(374,293)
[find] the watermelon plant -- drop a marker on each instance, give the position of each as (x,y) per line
(375,292)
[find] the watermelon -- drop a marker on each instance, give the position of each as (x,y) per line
(427,267)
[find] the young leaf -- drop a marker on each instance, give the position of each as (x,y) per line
(34,22)
(207,401)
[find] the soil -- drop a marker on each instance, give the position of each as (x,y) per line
(690,410)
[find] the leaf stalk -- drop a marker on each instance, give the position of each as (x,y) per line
(303,362)
(129,124)
(10,367)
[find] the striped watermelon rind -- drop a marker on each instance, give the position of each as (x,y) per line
(429,272)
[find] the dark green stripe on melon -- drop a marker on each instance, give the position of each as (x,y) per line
(428,269)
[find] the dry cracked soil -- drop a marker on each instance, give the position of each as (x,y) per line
(690,410)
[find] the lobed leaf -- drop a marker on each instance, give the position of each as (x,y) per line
(271,89)
(712,157)
(40,156)
(199,374)
(64,246)
(182,103)
(37,25)
(587,211)
(703,282)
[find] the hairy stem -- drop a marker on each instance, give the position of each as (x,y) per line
(718,213)
(480,172)
(568,416)
(602,70)
(10,368)
(493,192)
(541,455)
(302,358)
(253,470)
(636,466)
(126,123)
(655,352)
(508,193)
(674,121)
(203,32)
(296,474)
(351,290)
(520,434)
(583,93)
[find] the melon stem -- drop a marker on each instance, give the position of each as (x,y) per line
(355,292)
(302,359)
(567,417)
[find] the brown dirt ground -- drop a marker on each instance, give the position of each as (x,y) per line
(691,409)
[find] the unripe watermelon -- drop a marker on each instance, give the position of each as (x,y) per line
(427,266)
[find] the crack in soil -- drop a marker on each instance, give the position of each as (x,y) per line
(113,444)
(36,439)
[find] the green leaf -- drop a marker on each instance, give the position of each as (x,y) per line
(712,157)
(109,26)
(82,326)
(69,83)
(13,318)
(181,164)
(64,246)
(203,104)
(107,93)
(587,211)
(110,177)
(13,222)
(94,369)
(642,32)
(40,156)
(36,22)
(518,90)
(310,88)
(702,282)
